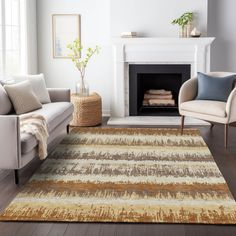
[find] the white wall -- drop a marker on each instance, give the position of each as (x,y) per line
(152,18)
(222,26)
(95,29)
(102,19)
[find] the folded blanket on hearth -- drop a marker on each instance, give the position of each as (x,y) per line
(37,126)
(155,96)
(159,92)
(159,102)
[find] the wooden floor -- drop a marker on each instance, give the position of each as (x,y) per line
(225,159)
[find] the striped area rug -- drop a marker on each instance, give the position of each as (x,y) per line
(127,175)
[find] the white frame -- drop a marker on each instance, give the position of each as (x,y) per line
(70,39)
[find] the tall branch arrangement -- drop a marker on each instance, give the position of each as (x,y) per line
(76,51)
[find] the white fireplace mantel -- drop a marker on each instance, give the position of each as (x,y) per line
(193,51)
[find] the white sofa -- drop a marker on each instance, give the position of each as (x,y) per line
(16,149)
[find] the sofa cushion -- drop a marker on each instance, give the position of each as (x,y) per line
(213,108)
(215,88)
(5,103)
(22,97)
(55,114)
(38,84)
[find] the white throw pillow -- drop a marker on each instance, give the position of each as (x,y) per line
(23,97)
(38,85)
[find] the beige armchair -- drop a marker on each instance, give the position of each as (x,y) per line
(211,111)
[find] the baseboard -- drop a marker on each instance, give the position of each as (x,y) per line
(106,113)
(155,120)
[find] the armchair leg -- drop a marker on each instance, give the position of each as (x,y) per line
(16,176)
(182,124)
(226,135)
(68,129)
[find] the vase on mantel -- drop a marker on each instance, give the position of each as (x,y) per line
(185,31)
(82,88)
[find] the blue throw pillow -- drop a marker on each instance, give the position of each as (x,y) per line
(215,88)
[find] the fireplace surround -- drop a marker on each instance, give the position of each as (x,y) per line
(194,52)
(143,78)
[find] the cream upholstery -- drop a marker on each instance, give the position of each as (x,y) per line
(212,111)
(213,108)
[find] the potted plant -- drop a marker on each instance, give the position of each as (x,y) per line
(184,22)
(82,88)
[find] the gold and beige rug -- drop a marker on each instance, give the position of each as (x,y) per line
(127,175)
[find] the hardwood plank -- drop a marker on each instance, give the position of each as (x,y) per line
(165,229)
(26,229)
(124,229)
(42,229)
(196,230)
(108,229)
(58,229)
(10,228)
(93,229)
(76,229)
(221,230)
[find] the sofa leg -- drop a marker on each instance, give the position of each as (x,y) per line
(68,129)
(226,135)
(182,124)
(16,176)
(212,126)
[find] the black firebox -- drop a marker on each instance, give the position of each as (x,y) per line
(148,78)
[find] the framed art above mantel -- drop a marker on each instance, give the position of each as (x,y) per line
(65,29)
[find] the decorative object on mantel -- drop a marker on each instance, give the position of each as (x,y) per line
(185,23)
(195,33)
(82,88)
(129,34)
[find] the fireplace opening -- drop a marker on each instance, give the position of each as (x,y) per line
(154,89)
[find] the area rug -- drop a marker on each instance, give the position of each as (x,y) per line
(127,175)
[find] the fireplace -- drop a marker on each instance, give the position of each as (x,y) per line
(193,53)
(154,89)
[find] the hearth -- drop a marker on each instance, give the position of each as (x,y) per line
(154,89)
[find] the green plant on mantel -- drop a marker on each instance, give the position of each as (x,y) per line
(183,20)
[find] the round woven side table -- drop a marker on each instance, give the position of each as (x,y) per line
(87,110)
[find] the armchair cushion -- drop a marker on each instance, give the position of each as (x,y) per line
(213,108)
(214,88)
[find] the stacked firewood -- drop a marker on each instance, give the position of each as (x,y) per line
(158,97)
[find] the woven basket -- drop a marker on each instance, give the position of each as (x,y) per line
(87,110)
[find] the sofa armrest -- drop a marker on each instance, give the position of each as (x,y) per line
(59,94)
(231,107)
(188,90)
(10,148)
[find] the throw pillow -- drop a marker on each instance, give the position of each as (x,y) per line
(23,97)
(38,85)
(5,103)
(215,88)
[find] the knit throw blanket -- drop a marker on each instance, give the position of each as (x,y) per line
(37,126)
